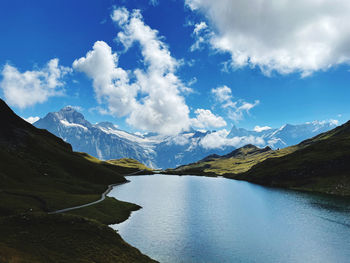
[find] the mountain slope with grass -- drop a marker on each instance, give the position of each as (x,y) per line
(40,173)
(320,164)
(236,162)
(130,166)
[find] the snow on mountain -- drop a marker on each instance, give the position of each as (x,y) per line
(292,134)
(69,124)
(287,134)
(101,140)
(106,141)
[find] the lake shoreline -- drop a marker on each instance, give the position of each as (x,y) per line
(81,225)
(266,184)
(158,230)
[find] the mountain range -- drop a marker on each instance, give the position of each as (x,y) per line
(105,141)
(318,164)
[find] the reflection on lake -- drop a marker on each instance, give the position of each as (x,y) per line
(201,219)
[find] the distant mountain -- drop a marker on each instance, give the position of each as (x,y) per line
(183,148)
(288,134)
(239,132)
(105,141)
(235,162)
(319,164)
(102,140)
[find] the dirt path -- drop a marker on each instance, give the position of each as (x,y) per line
(103,197)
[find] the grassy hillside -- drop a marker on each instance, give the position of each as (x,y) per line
(39,237)
(40,173)
(236,162)
(130,166)
(319,164)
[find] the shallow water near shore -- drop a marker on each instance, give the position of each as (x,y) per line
(201,219)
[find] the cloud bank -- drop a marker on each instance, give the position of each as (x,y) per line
(286,36)
(219,139)
(206,119)
(32,87)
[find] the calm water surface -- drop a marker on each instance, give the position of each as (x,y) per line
(200,219)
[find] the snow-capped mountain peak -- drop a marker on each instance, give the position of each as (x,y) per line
(106,141)
(69,114)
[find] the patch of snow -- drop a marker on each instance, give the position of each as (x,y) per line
(76,125)
(125,135)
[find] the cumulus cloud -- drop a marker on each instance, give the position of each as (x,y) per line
(219,139)
(283,36)
(32,87)
(262,128)
(206,119)
(150,98)
(110,82)
(236,109)
(31,119)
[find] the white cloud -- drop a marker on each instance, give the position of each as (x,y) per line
(236,109)
(31,119)
(201,34)
(32,87)
(206,119)
(120,15)
(222,94)
(334,122)
(325,122)
(199,27)
(284,36)
(219,139)
(151,97)
(262,128)
(180,139)
(111,83)
(237,112)
(75,107)
(100,110)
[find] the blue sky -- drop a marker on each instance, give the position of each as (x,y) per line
(177,56)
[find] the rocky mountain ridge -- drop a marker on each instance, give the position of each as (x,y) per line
(105,141)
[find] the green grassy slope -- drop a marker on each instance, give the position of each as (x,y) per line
(128,166)
(319,164)
(40,173)
(236,162)
(65,238)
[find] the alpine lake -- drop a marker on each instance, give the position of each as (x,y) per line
(202,219)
